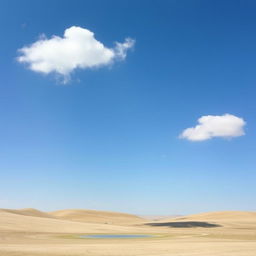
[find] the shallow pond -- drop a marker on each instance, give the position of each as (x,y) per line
(111,236)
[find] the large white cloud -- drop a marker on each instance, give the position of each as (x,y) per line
(226,126)
(78,48)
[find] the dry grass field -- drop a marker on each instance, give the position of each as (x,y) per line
(29,232)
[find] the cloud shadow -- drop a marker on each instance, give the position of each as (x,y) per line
(184,224)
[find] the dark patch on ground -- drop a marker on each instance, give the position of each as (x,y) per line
(184,224)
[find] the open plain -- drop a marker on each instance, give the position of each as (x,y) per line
(29,232)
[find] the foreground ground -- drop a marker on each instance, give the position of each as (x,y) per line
(32,233)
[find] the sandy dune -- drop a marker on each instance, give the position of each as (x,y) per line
(29,232)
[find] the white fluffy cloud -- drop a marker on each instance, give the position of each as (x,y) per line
(78,48)
(226,126)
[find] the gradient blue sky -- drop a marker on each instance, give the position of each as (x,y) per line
(108,139)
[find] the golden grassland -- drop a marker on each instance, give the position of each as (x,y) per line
(29,232)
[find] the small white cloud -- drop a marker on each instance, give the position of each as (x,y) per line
(226,126)
(78,48)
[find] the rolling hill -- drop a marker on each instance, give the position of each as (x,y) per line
(92,216)
(28,212)
(23,221)
(224,218)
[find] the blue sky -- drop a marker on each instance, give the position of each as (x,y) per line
(108,139)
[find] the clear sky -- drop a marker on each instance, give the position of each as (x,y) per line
(109,137)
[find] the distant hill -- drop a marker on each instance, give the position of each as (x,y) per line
(223,215)
(22,221)
(226,218)
(93,216)
(86,221)
(159,217)
(28,212)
